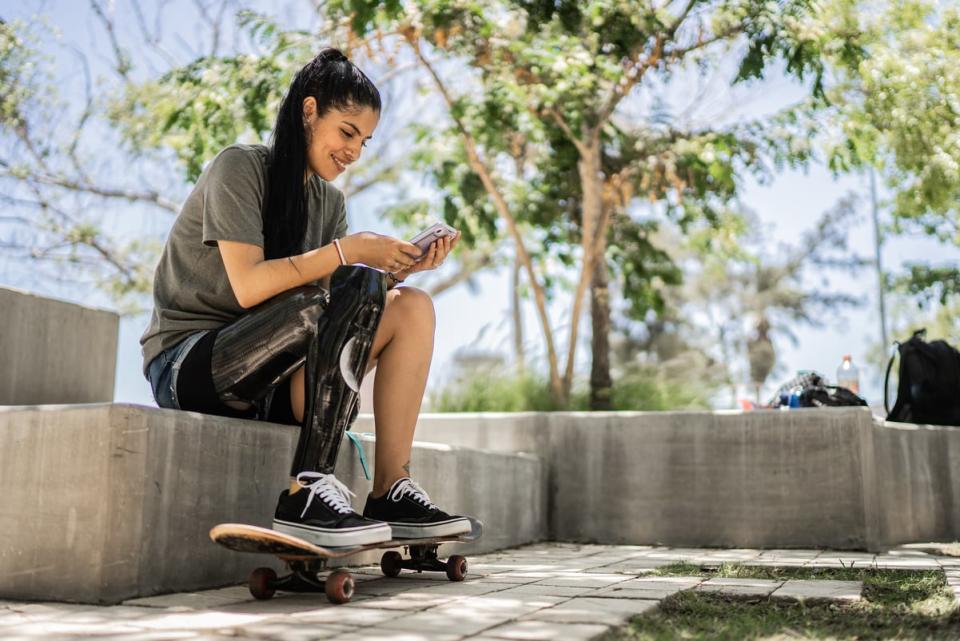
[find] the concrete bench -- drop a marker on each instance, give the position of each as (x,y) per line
(103,503)
(833,477)
(55,352)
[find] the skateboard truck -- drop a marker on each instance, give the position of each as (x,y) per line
(304,577)
(423,557)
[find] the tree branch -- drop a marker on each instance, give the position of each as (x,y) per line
(483,172)
(562,123)
(151,197)
(468,267)
(122,61)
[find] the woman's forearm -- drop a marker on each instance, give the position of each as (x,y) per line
(268,278)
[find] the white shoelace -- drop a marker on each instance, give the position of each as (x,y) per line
(331,491)
(408,487)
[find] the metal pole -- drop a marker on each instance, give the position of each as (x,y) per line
(877,243)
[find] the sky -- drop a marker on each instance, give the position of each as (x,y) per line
(786,208)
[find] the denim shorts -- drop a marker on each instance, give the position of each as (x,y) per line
(164,370)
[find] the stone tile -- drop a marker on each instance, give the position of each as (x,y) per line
(465,589)
(894,563)
(49,629)
(388,634)
(386,587)
(195,600)
(583,580)
(633,566)
(790,554)
(540,589)
(819,590)
(347,616)
(505,606)
(648,587)
(410,600)
(740,587)
(443,622)
(543,631)
(589,610)
(290,631)
(200,620)
(502,579)
(287,604)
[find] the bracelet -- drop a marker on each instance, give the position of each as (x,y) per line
(336,243)
(396,281)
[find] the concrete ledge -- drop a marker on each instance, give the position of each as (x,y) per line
(55,352)
(108,502)
(834,477)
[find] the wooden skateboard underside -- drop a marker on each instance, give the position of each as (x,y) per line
(258,540)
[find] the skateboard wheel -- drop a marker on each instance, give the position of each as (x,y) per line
(339,587)
(261,583)
(456,568)
(391,563)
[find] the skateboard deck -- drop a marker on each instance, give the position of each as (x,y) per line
(306,560)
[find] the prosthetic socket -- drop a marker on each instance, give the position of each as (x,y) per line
(330,333)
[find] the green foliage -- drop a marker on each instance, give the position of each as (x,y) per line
(894,105)
(679,385)
(200,108)
(27,89)
(930,283)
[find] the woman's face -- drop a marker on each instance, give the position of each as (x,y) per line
(337,138)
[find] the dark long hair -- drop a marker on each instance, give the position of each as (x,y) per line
(334,82)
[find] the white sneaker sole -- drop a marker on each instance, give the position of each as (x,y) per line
(426,531)
(336,537)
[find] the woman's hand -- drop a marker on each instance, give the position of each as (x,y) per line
(438,252)
(382,252)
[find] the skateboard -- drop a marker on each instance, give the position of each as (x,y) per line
(306,560)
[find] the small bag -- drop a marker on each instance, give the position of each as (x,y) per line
(814,392)
(830,396)
(929,387)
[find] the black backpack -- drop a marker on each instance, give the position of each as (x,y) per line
(929,387)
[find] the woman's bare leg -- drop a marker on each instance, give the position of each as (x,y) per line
(402,351)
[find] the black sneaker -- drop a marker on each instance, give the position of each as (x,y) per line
(321,514)
(411,515)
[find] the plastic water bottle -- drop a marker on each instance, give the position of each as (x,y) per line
(848,375)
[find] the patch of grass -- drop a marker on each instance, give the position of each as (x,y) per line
(896,604)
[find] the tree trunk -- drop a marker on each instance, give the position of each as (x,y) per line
(517,313)
(591,218)
(601,385)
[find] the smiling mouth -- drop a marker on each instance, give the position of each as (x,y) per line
(341,166)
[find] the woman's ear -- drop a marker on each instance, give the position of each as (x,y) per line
(309,108)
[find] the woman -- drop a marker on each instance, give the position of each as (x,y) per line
(248,322)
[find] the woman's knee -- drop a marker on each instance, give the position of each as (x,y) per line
(414,306)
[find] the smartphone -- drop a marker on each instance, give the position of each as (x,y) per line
(434,232)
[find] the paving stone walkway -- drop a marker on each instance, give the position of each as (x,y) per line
(546,591)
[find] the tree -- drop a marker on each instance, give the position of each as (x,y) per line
(741,291)
(897,109)
(548,71)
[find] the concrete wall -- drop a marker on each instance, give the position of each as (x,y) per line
(107,502)
(836,477)
(55,352)
(917,480)
(709,479)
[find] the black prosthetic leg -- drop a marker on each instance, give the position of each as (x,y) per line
(336,363)
(254,354)
(331,332)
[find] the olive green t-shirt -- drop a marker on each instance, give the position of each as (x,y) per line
(190,287)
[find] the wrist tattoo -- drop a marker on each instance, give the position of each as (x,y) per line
(292,264)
